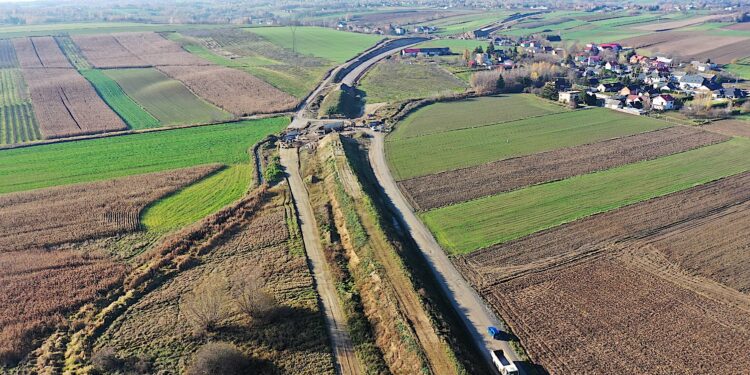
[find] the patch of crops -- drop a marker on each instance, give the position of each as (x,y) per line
(168,100)
(40,52)
(418,156)
(74,54)
(7,54)
(106,158)
(468,226)
(133,114)
(17,121)
(199,199)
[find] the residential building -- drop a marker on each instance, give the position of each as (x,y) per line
(663,102)
(569,96)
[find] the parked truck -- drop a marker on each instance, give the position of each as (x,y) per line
(502,363)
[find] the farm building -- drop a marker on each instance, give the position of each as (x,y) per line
(435,51)
(569,96)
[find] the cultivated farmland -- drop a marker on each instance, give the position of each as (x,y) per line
(41,52)
(730,127)
(65,104)
(439,152)
(17,121)
(332,45)
(442,189)
(472,225)
(104,51)
(231,89)
(7,54)
(101,159)
(676,255)
(134,115)
(721,48)
(399,80)
(164,98)
(42,218)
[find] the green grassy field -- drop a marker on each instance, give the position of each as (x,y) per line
(199,199)
(17,121)
(133,114)
(466,23)
(329,44)
(393,81)
(740,70)
(442,117)
(164,98)
(418,156)
(106,158)
(469,226)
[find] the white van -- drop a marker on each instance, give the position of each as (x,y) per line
(505,366)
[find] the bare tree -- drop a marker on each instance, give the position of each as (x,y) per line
(250,295)
(207,306)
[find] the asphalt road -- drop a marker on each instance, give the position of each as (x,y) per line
(345,359)
(471,308)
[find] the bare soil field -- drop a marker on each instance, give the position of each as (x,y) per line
(730,127)
(656,287)
(743,26)
(232,90)
(38,288)
(66,104)
(40,52)
(441,189)
(294,342)
(663,26)
(608,315)
(720,49)
(39,219)
(105,51)
(156,50)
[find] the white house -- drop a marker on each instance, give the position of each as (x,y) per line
(663,102)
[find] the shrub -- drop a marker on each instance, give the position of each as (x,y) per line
(206,306)
(250,297)
(220,358)
(106,360)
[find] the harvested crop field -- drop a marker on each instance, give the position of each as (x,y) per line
(721,49)
(646,279)
(166,99)
(37,288)
(155,50)
(442,189)
(40,52)
(730,127)
(663,26)
(105,51)
(495,219)
(232,90)
(42,218)
(66,104)
(439,152)
(7,54)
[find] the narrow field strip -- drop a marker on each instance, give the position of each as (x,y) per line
(17,121)
(134,115)
(198,200)
(420,156)
(469,226)
(446,188)
(105,158)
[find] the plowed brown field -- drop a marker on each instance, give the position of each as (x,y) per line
(104,51)
(656,287)
(40,52)
(720,49)
(41,218)
(65,104)
(461,185)
(730,127)
(156,50)
(234,91)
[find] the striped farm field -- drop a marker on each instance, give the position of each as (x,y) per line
(199,199)
(134,115)
(166,99)
(439,152)
(465,227)
(105,158)
(17,121)
(7,54)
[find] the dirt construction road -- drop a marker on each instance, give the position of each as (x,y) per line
(472,309)
(345,359)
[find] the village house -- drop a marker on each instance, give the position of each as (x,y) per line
(663,102)
(569,96)
(609,87)
(434,51)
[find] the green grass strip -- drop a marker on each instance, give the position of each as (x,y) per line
(111,157)
(199,199)
(469,226)
(135,116)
